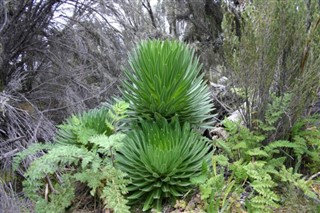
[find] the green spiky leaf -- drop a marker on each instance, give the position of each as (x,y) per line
(160,159)
(164,78)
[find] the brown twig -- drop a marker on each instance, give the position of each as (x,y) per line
(12,140)
(314,176)
(9,154)
(50,185)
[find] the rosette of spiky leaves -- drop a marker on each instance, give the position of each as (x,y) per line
(164,78)
(160,158)
(106,120)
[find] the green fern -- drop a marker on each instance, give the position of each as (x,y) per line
(238,170)
(107,144)
(40,174)
(32,150)
(262,166)
(78,164)
(263,185)
(59,157)
(306,134)
(58,201)
(214,189)
(112,195)
(85,149)
(79,128)
(240,141)
(288,175)
(116,114)
(109,183)
(275,110)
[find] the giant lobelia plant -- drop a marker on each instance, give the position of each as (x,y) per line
(160,158)
(164,79)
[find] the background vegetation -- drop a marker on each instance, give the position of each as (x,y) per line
(61,58)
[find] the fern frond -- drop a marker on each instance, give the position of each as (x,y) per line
(241,145)
(65,194)
(274,146)
(112,194)
(263,185)
(257,152)
(87,167)
(105,143)
(239,170)
(221,159)
(287,175)
(31,150)
(59,157)
(261,204)
(60,199)
(213,185)
(112,183)
(79,128)
(274,112)
(223,145)
(273,165)
(116,114)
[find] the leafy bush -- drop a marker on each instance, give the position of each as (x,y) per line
(215,191)
(164,79)
(306,134)
(160,159)
(260,167)
(84,153)
(275,53)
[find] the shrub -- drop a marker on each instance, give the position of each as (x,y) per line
(160,159)
(164,79)
(84,152)
(261,168)
(275,53)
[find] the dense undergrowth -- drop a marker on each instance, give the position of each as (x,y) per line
(146,151)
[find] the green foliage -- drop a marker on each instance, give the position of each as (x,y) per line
(79,128)
(263,184)
(40,171)
(241,141)
(288,175)
(74,164)
(164,79)
(259,165)
(160,158)
(32,150)
(273,52)
(84,153)
(58,201)
(214,189)
(306,134)
(161,153)
(109,183)
(274,112)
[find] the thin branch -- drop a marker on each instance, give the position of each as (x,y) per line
(5,15)
(9,154)
(76,103)
(12,140)
(314,176)
(146,4)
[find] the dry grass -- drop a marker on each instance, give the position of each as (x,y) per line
(296,202)
(12,202)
